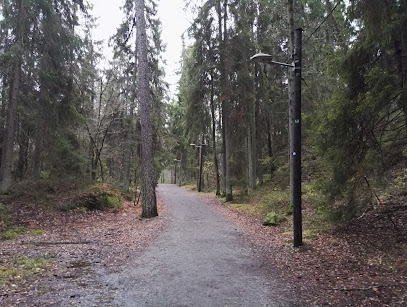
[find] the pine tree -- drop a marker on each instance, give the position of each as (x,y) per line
(149,201)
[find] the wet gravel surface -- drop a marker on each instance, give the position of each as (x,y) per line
(201,259)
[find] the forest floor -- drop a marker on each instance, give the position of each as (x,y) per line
(58,257)
(59,254)
(363,263)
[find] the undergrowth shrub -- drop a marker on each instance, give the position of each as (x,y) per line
(100,197)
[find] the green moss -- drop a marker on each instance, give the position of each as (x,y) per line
(36,232)
(237,206)
(110,201)
(31,265)
(273,219)
(12,233)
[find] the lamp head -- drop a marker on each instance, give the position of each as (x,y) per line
(261,57)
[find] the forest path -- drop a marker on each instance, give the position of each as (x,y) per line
(201,259)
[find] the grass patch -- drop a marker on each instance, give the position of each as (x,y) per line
(262,201)
(12,233)
(36,232)
(21,269)
(5,216)
(238,206)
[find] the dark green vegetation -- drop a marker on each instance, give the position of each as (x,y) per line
(62,116)
(354,104)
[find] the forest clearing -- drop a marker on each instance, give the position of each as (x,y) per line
(287,119)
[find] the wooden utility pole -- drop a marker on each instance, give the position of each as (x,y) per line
(295,165)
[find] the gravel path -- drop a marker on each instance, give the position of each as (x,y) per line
(201,259)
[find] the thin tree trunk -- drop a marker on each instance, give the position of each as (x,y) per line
(39,138)
(128,151)
(130,131)
(215,152)
(222,105)
(270,146)
(224,98)
(149,201)
(8,141)
(24,141)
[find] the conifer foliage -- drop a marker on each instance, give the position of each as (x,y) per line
(62,116)
(354,93)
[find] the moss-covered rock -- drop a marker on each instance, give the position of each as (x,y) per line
(101,197)
(273,219)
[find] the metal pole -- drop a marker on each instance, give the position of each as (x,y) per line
(200,168)
(180,171)
(296,150)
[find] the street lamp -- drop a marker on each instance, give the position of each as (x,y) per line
(200,164)
(180,171)
(295,140)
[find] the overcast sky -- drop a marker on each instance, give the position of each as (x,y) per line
(174,23)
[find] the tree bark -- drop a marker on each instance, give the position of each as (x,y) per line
(149,202)
(39,138)
(8,141)
(23,142)
(215,152)
(401,57)
(130,132)
(224,98)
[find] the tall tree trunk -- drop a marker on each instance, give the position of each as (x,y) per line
(401,57)
(222,85)
(270,146)
(8,141)
(39,139)
(23,142)
(224,98)
(252,151)
(4,86)
(215,152)
(149,201)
